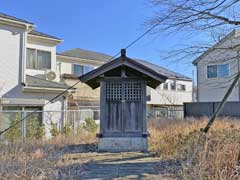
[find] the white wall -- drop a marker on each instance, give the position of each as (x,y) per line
(53,114)
(11,46)
(213,89)
(160,96)
(65,68)
(44,46)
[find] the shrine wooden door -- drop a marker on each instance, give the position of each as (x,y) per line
(124,109)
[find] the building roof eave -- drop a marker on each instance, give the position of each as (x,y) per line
(43,89)
(213,47)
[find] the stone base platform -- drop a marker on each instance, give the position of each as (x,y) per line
(122,144)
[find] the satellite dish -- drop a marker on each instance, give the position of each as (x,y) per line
(51,75)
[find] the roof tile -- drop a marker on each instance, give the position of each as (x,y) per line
(86,54)
(33,81)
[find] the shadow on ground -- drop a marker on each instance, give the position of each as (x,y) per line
(128,165)
(80,148)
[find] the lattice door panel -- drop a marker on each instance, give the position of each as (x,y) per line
(128,91)
(132,91)
(114,91)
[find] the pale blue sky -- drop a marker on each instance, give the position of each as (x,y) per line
(99,25)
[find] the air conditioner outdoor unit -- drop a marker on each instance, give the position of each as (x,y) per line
(50,75)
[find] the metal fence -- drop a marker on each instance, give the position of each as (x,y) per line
(35,124)
(165,112)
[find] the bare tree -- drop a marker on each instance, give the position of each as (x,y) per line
(216,17)
(167,98)
(194,17)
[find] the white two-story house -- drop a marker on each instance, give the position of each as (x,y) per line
(167,100)
(28,77)
(216,69)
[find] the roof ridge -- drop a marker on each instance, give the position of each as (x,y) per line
(4,15)
(87,54)
(88,51)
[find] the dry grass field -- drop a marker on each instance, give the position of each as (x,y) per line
(212,156)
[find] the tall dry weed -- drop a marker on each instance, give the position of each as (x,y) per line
(39,159)
(204,156)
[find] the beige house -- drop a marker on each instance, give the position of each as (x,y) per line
(71,65)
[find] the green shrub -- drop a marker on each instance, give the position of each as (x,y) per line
(90,125)
(15,132)
(35,128)
(67,129)
(54,130)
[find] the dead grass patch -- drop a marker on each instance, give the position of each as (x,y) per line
(41,159)
(211,156)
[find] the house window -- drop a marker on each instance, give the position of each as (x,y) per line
(12,108)
(173,86)
(30,120)
(181,87)
(88,69)
(81,69)
(212,71)
(165,86)
(38,59)
(221,70)
(32,112)
(78,69)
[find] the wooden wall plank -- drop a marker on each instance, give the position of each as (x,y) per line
(126,116)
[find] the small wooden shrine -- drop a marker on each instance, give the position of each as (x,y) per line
(123,83)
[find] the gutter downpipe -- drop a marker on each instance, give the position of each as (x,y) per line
(24,41)
(23,57)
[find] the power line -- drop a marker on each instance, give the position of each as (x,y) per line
(71,87)
(141,36)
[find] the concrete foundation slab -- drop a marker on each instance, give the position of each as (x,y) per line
(121,144)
